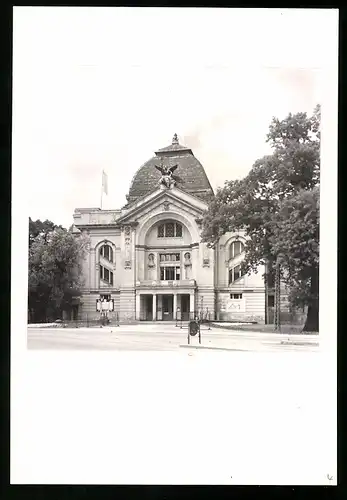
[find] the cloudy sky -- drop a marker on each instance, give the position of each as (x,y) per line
(103,88)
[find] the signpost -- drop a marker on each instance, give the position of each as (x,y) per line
(193,329)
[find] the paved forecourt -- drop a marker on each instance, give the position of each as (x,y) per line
(161,336)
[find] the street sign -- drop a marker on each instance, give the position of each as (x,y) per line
(193,328)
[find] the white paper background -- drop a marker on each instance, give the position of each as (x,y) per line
(167,418)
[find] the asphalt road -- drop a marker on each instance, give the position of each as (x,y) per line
(160,338)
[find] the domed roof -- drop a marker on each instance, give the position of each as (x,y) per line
(191,176)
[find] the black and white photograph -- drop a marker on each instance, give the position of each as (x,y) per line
(174,246)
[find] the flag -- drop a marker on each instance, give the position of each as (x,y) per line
(104,183)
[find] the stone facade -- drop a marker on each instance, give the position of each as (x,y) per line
(149,259)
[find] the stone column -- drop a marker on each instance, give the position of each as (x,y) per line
(154,307)
(175,304)
(138,306)
(191,303)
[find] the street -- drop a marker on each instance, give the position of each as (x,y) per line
(163,337)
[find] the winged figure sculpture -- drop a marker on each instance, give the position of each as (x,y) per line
(167,177)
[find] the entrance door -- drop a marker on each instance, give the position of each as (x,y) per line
(185,305)
(167,307)
(74,313)
(149,307)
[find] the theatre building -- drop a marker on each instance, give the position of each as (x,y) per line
(148,258)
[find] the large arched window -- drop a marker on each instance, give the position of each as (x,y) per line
(106,275)
(236,248)
(106,252)
(170,230)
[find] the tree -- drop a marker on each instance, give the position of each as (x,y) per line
(258,204)
(55,272)
(296,236)
(42,228)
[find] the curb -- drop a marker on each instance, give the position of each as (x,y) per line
(189,346)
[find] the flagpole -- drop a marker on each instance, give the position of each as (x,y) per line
(102,192)
(102,188)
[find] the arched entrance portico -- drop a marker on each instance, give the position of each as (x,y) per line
(165,284)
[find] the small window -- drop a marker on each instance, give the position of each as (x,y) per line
(178,230)
(271,301)
(105,297)
(236,296)
(236,248)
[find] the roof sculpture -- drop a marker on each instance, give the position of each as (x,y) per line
(190,175)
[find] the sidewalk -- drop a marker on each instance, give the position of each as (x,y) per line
(243,343)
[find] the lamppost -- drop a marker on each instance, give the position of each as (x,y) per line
(279,260)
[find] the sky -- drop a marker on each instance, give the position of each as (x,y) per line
(103,88)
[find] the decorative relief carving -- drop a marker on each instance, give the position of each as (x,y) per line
(166,205)
(187,265)
(127,263)
(127,230)
(199,222)
(151,262)
(187,259)
(206,257)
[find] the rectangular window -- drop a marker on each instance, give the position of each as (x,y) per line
(236,296)
(271,301)
(172,257)
(170,273)
(106,297)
